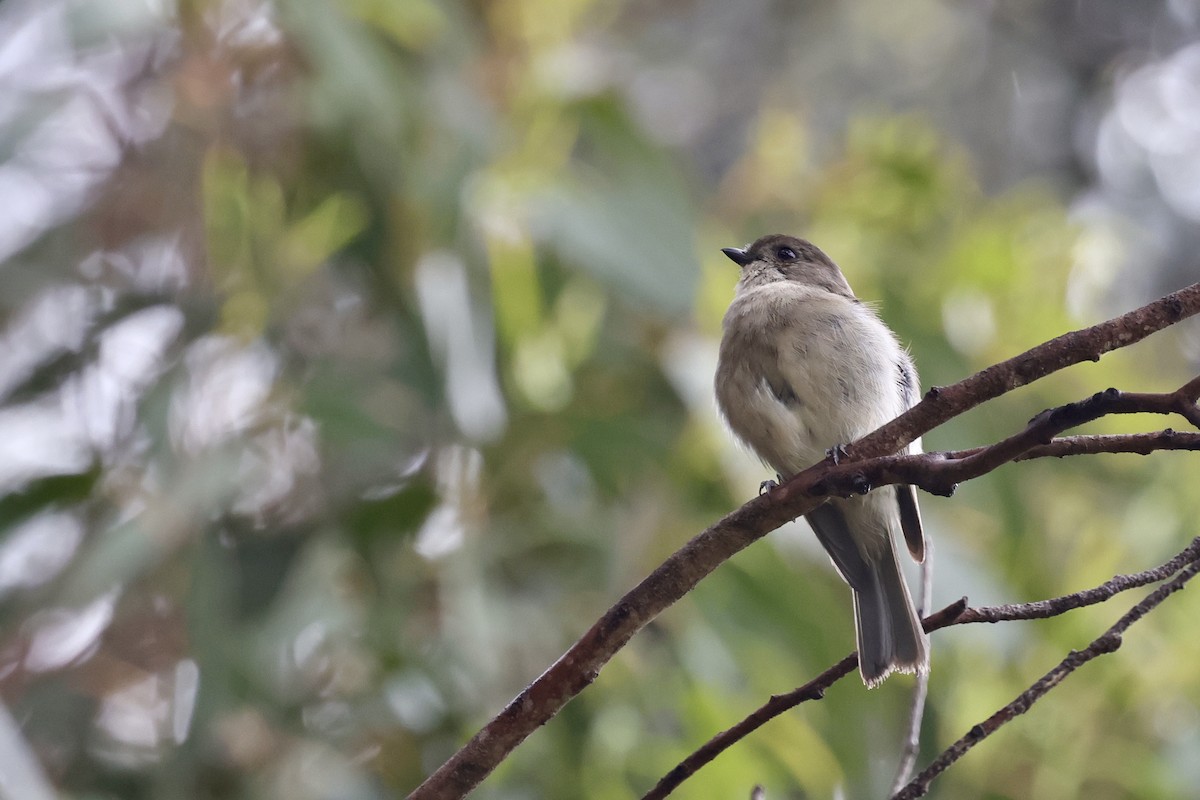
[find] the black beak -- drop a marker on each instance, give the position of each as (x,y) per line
(737,255)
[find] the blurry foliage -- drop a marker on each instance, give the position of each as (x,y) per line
(356,356)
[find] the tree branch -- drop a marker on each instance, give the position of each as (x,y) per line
(911,747)
(1139,443)
(578,667)
(940,473)
(957,613)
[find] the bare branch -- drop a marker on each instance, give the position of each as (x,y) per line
(957,613)
(578,667)
(1044,609)
(920,692)
(940,473)
(776,705)
(1139,443)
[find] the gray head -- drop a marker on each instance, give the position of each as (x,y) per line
(777,257)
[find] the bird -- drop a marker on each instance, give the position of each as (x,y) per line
(804,368)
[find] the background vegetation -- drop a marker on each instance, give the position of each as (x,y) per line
(355,356)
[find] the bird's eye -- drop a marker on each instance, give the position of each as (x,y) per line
(786,254)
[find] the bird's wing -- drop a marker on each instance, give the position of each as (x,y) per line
(906,496)
(910,521)
(833,532)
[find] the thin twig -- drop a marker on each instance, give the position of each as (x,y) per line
(920,691)
(1142,444)
(776,705)
(1044,609)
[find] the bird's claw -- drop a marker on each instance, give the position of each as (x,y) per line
(769,484)
(836,453)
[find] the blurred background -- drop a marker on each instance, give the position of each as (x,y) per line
(355,356)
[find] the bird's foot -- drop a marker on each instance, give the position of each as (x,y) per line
(769,484)
(836,453)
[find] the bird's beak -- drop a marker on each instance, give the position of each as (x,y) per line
(737,255)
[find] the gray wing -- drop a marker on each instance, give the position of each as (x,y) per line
(829,524)
(906,496)
(910,522)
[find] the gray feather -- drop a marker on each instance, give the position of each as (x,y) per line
(829,523)
(910,513)
(890,637)
(910,522)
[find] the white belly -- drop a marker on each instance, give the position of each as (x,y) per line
(804,372)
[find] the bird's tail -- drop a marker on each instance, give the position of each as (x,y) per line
(890,637)
(888,631)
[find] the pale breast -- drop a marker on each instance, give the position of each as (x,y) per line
(801,371)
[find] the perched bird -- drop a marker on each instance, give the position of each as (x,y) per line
(804,368)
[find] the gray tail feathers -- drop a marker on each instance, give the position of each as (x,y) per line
(889,634)
(890,638)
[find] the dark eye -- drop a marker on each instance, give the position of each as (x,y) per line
(786,254)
